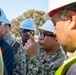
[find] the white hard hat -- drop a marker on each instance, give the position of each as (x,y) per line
(48,26)
(54,4)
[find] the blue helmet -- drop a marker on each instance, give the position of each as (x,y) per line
(27,24)
(3,18)
(2,14)
(6,21)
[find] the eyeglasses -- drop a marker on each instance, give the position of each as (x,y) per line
(43,34)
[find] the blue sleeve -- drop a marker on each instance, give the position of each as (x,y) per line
(8,56)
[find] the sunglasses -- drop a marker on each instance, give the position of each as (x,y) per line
(43,34)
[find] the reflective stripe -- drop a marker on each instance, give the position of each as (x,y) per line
(70,61)
(1,63)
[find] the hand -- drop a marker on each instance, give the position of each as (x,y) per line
(31,47)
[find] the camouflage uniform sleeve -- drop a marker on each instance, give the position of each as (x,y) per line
(35,67)
(47,66)
(19,55)
(27,63)
(20,61)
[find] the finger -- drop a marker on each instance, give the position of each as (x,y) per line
(29,42)
(26,44)
(25,48)
(30,36)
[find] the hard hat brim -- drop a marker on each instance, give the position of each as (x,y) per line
(46,15)
(47,26)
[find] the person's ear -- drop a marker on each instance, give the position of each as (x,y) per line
(72,19)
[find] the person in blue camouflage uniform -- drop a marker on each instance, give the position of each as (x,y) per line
(8,57)
(6,49)
(19,53)
(53,57)
(27,25)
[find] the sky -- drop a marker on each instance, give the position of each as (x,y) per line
(14,8)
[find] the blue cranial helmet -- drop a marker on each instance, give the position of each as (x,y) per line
(2,14)
(27,24)
(3,18)
(6,21)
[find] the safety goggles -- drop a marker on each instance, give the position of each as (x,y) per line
(42,34)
